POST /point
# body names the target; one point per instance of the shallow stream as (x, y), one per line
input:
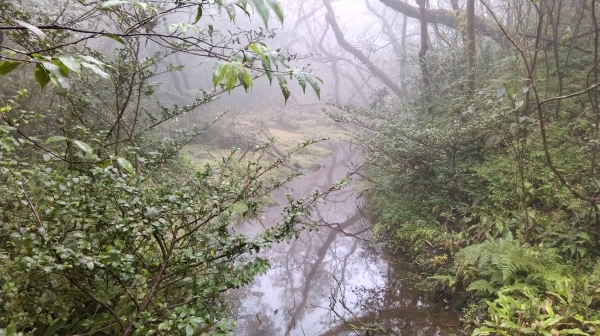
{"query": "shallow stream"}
(327, 279)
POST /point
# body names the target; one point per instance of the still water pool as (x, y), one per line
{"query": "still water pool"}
(327, 279)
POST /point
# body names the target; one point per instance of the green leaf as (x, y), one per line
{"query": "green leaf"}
(231, 76)
(244, 77)
(257, 48)
(37, 31)
(57, 75)
(165, 325)
(83, 146)
(262, 9)
(184, 28)
(301, 77)
(71, 63)
(189, 330)
(243, 8)
(104, 163)
(284, 88)
(272, 58)
(551, 321)
(96, 69)
(198, 14)
(125, 164)
(314, 85)
(11, 329)
(91, 59)
(54, 327)
(116, 38)
(63, 69)
(8, 66)
(230, 11)
(549, 309)
(483, 331)
(575, 331)
(276, 8)
(111, 3)
(141, 5)
(219, 73)
(172, 28)
(266, 64)
(55, 138)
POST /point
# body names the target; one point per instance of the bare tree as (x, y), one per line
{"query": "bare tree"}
(374, 69)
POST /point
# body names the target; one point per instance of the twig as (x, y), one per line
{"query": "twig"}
(293, 319)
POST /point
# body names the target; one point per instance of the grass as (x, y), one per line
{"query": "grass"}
(287, 128)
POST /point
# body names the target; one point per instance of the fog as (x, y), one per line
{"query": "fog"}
(309, 43)
(158, 93)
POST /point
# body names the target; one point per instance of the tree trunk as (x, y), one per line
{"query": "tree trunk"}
(336, 82)
(399, 49)
(424, 46)
(470, 79)
(403, 49)
(1, 31)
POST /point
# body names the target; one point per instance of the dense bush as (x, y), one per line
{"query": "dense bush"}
(493, 206)
(103, 228)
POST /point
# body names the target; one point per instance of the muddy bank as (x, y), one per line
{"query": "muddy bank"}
(334, 274)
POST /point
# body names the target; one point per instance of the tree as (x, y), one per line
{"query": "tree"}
(386, 62)
(424, 46)
(377, 72)
(470, 78)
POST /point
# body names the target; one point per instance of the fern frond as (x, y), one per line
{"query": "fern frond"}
(513, 262)
(483, 286)
(526, 289)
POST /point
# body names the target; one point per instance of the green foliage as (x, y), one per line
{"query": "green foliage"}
(489, 197)
(503, 263)
(520, 309)
(105, 228)
(100, 247)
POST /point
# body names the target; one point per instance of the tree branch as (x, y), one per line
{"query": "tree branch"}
(339, 36)
(447, 18)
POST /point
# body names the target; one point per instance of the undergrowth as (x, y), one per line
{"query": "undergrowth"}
(464, 192)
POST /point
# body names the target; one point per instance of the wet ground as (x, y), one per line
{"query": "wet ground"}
(325, 281)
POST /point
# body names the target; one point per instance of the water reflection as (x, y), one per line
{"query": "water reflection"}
(332, 275)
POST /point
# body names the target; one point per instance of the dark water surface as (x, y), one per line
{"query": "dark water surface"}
(333, 273)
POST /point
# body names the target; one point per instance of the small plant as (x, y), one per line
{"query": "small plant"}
(563, 309)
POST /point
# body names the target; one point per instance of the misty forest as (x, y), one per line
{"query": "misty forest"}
(299, 167)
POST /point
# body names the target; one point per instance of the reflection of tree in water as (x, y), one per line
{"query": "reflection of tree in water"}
(391, 309)
(283, 301)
